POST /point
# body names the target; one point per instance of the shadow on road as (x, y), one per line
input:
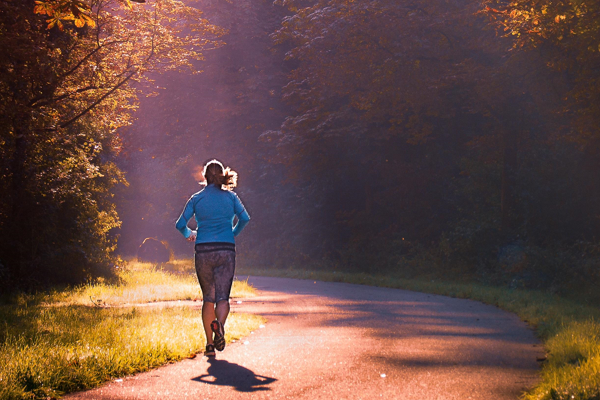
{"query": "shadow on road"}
(224, 373)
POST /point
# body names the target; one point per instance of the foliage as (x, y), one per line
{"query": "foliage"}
(64, 94)
(573, 368)
(68, 10)
(566, 34)
(433, 116)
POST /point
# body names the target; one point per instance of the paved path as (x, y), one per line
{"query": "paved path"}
(336, 341)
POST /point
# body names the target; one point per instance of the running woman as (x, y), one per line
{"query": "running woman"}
(214, 207)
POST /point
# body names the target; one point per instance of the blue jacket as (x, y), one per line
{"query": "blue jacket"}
(214, 209)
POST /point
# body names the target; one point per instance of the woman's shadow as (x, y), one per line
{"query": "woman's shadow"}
(224, 373)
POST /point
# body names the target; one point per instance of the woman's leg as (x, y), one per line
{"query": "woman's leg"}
(204, 263)
(208, 316)
(222, 311)
(223, 282)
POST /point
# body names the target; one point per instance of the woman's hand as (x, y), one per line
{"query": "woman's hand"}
(192, 237)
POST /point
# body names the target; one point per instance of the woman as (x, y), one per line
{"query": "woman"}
(215, 207)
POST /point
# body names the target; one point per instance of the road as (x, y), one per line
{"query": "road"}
(342, 341)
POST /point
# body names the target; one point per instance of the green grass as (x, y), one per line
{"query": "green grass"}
(142, 283)
(59, 342)
(569, 330)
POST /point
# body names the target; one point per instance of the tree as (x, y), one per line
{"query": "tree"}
(412, 120)
(68, 84)
(565, 34)
(384, 96)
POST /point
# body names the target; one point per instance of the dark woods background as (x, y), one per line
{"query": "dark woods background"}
(436, 139)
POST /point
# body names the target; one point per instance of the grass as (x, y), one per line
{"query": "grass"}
(142, 283)
(573, 369)
(569, 330)
(59, 342)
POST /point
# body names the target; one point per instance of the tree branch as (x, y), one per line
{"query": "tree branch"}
(84, 59)
(125, 80)
(95, 103)
(33, 102)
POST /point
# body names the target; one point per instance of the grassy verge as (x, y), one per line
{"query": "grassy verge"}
(59, 342)
(141, 283)
(569, 330)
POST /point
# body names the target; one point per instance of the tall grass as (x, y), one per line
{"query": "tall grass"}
(59, 342)
(573, 367)
(570, 330)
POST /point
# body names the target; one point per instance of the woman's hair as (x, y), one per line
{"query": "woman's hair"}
(215, 173)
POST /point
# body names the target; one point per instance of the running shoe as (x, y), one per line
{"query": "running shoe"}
(219, 331)
(210, 350)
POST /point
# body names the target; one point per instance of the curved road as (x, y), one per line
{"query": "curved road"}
(342, 341)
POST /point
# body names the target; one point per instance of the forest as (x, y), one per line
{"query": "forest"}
(454, 139)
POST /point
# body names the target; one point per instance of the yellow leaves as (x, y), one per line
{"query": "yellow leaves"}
(560, 18)
(55, 21)
(43, 8)
(127, 3)
(87, 20)
(64, 10)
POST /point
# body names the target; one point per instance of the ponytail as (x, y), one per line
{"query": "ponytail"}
(223, 178)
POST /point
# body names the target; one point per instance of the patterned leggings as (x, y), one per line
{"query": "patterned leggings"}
(215, 266)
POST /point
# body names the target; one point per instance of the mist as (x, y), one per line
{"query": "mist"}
(369, 141)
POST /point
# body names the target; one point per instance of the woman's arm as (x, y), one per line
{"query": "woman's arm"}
(241, 213)
(243, 219)
(185, 216)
